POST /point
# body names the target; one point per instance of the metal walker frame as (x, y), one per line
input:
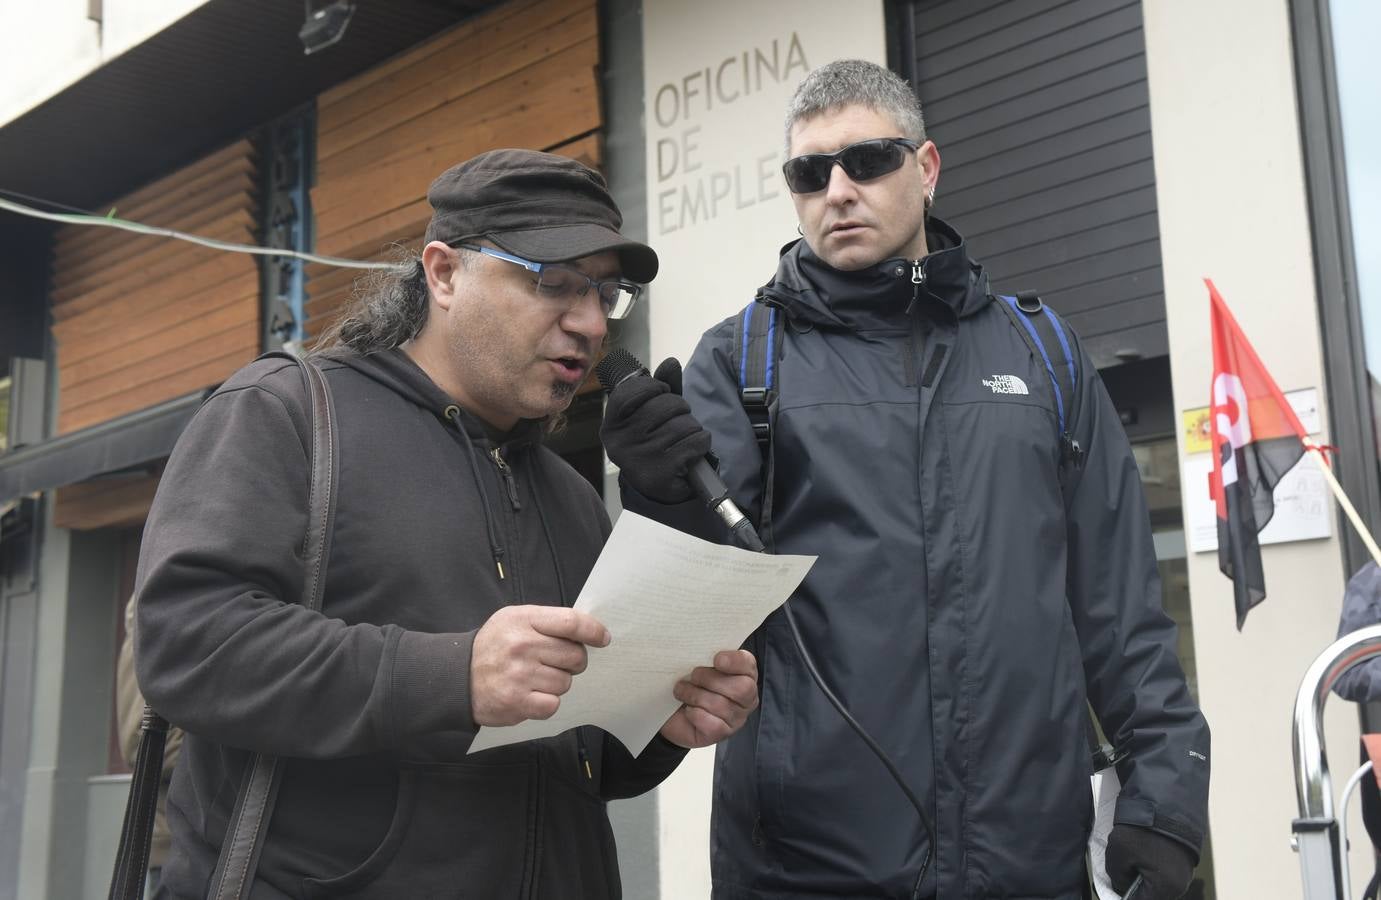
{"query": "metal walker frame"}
(1318, 839)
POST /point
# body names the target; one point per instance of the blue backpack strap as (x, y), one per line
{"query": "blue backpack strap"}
(757, 349)
(1041, 328)
(757, 341)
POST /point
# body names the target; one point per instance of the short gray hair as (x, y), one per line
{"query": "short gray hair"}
(856, 82)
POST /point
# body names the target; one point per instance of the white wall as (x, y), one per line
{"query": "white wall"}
(1232, 204)
(718, 212)
(47, 46)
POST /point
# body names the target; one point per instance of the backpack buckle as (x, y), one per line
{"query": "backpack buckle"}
(756, 402)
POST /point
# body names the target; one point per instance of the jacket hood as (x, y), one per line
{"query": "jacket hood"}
(813, 291)
(397, 371)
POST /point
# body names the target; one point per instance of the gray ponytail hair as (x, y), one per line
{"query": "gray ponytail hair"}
(387, 309)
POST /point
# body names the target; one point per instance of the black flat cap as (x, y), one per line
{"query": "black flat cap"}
(539, 206)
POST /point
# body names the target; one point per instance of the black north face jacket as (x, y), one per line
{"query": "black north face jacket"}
(962, 607)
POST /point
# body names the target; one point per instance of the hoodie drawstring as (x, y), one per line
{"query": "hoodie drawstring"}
(453, 414)
(539, 487)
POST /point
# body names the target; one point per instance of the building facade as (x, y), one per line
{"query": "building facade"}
(1109, 154)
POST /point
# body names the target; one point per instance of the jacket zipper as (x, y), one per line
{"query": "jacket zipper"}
(511, 487)
(507, 472)
(927, 383)
(915, 347)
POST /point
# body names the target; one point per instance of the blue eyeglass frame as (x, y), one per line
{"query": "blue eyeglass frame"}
(536, 268)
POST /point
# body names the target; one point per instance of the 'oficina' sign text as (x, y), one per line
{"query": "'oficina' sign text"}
(694, 194)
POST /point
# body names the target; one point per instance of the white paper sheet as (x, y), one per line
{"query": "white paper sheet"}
(670, 602)
(1106, 787)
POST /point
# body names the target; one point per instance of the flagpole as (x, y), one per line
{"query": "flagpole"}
(1345, 503)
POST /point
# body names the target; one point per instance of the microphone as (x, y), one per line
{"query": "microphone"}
(618, 367)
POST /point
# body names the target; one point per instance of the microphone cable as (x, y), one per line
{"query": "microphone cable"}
(867, 739)
(620, 365)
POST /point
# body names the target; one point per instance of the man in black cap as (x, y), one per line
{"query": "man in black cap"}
(458, 543)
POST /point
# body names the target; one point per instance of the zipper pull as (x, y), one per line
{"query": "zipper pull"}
(584, 755)
(917, 282)
(507, 472)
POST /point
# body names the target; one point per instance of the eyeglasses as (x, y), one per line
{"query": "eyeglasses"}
(862, 161)
(565, 285)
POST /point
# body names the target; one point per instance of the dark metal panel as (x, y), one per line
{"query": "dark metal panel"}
(1129, 344)
(1057, 133)
(1042, 117)
(114, 446)
(1085, 302)
(1062, 247)
(1111, 63)
(1027, 222)
(1109, 318)
(1085, 269)
(23, 287)
(18, 640)
(1352, 424)
(1097, 187)
(938, 14)
(1065, 174)
(207, 79)
(1064, 29)
(1027, 13)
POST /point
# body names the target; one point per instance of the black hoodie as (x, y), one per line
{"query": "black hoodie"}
(436, 528)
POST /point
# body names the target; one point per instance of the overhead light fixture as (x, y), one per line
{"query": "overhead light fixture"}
(325, 26)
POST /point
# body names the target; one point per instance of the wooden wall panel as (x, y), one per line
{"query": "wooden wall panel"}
(106, 503)
(524, 74)
(141, 319)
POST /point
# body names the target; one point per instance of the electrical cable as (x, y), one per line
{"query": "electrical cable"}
(620, 365)
(213, 243)
(20, 195)
(863, 736)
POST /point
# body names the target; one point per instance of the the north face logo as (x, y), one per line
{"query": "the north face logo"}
(1006, 384)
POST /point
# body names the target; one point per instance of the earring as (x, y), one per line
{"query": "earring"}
(799, 230)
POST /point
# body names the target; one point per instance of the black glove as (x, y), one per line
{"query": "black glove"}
(651, 436)
(1164, 864)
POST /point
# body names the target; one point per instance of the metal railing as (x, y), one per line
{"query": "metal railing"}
(1316, 830)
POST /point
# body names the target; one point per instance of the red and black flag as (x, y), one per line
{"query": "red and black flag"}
(1257, 438)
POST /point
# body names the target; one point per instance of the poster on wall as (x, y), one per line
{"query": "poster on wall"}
(1302, 508)
(714, 103)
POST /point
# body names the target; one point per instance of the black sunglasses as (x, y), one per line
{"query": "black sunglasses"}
(862, 161)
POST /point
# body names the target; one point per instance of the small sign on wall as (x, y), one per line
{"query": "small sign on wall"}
(1302, 508)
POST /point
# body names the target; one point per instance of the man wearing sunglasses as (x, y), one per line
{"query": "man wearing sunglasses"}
(975, 585)
(458, 543)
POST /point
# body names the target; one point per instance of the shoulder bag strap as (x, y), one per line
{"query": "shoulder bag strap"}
(244, 840)
(240, 852)
(136, 833)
